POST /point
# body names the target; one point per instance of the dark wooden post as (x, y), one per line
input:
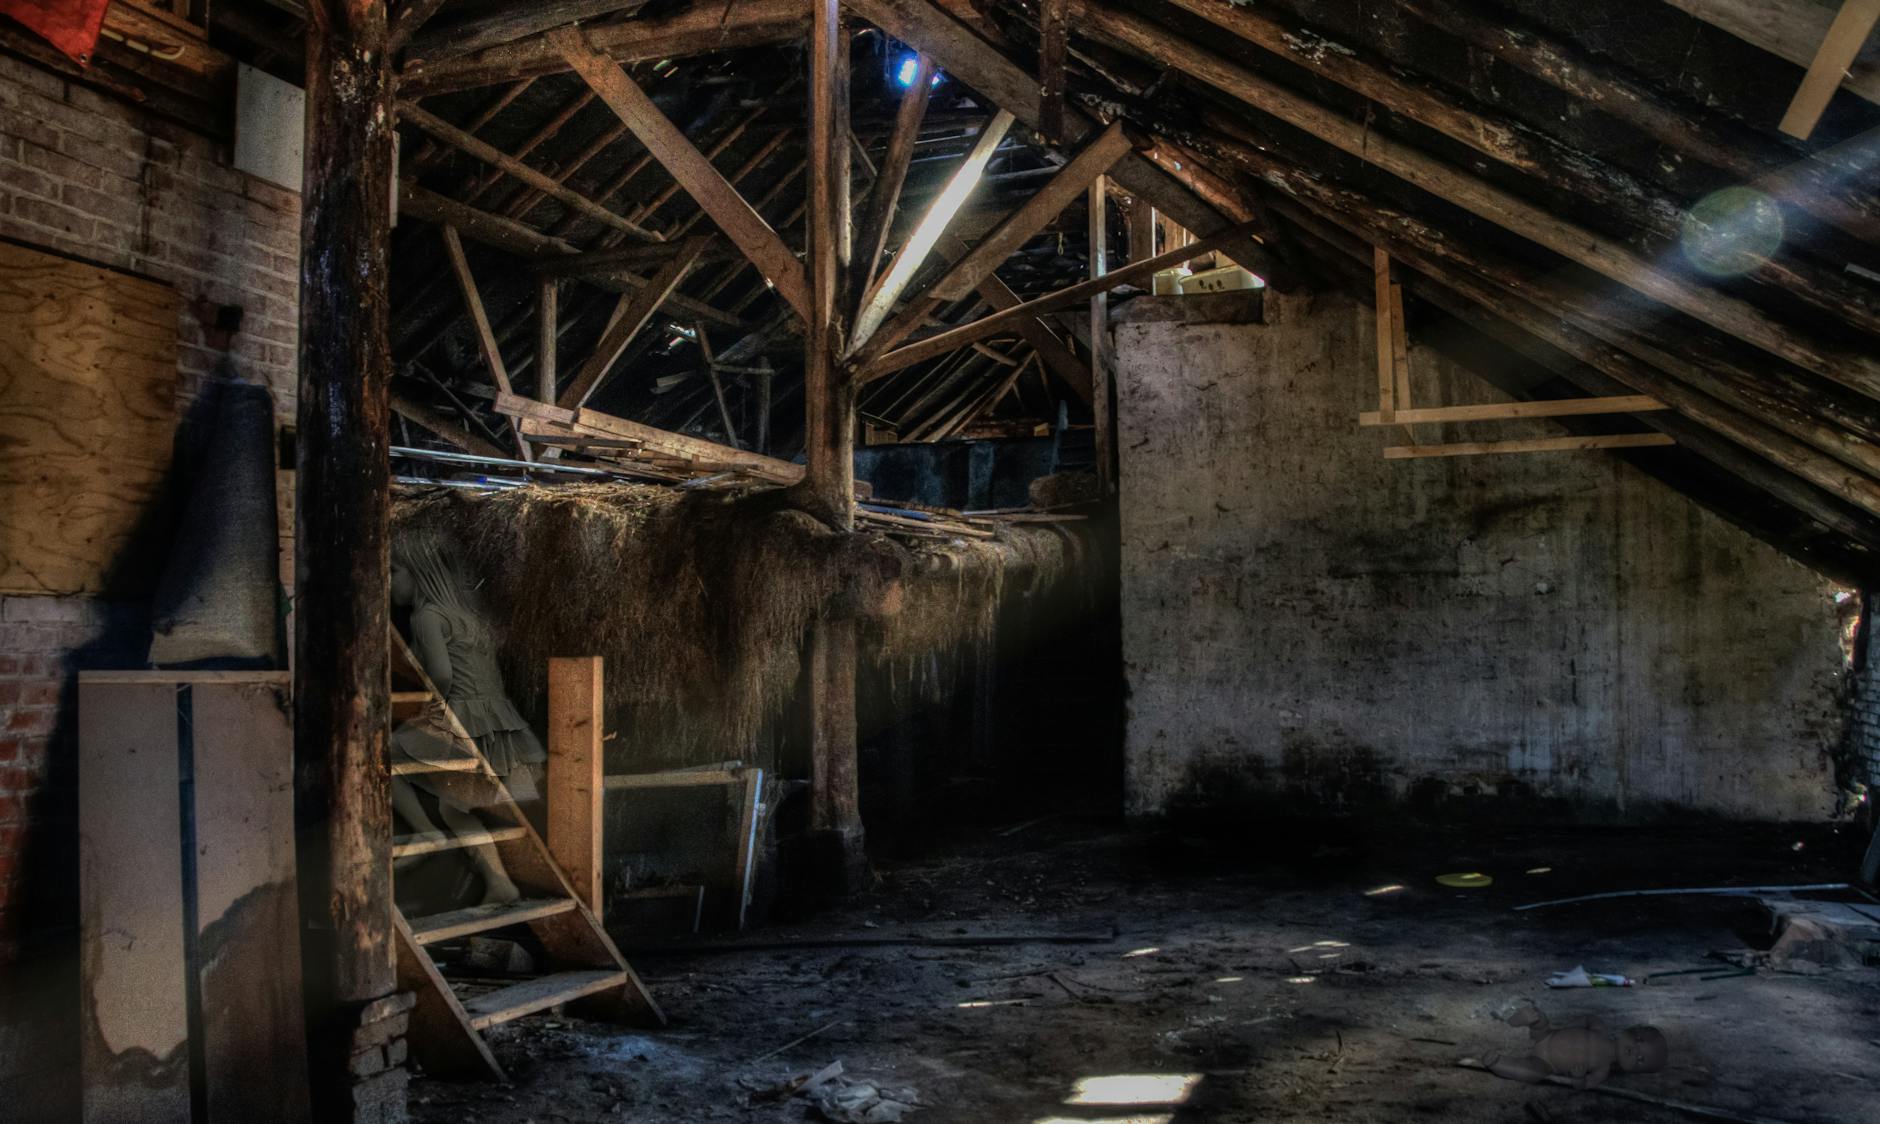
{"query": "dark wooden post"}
(341, 685)
(829, 399)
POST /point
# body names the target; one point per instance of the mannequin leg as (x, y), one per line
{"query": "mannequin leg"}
(1527, 1069)
(411, 809)
(497, 888)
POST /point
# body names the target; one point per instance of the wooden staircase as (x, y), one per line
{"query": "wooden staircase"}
(586, 970)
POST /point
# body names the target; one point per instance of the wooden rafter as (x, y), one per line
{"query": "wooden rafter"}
(527, 242)
(405, 22)
(1054, 37)
(1529, 445)
(440, 426)
(547, 336)
(885, 197)
(698, 29)
(964, 276)
(490, 154)
(960, 51)
(923, 350)
(510, 23)
(637, 310)
(687, 165)
(887, 289)
(1617, 262)
(479, 319)
(1061, 361)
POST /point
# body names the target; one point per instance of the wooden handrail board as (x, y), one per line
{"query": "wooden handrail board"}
(1534, 445)
(1502, 411)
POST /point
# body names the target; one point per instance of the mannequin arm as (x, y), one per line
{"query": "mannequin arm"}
(427, 636)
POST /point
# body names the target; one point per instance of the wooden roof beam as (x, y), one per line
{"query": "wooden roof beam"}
(746, 229)
(634, 316)
(1602, 255)
(490, 154)
(698, 29)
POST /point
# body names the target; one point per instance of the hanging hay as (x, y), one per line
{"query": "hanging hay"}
(699, 602)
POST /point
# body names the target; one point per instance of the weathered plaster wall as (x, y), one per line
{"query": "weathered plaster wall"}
(1308, 621)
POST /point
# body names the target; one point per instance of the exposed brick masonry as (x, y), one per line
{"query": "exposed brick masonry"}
(95, 178)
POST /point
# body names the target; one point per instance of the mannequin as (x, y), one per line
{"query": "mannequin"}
(457, 649)
(1580, 1050)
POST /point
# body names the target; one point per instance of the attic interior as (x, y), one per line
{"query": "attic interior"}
(1099, 561)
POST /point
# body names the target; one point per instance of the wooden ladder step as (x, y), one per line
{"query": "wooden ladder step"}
(410, 704)
(483, 918)
(465, 764)
(405, 845)
(538, 994)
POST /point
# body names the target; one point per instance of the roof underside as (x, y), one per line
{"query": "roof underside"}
(1553, 182)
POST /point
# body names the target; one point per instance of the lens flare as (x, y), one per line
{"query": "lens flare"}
(1732, 231)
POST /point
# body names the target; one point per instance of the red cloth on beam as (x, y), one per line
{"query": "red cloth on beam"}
(70, 25)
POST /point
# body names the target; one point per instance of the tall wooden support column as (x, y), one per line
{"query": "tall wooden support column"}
(343, 813)
(829, 485)
(1101, 392)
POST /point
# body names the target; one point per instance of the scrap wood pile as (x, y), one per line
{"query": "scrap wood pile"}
(592, 439)
(699, 601)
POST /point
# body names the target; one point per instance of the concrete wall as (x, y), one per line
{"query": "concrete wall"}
(1306, 620)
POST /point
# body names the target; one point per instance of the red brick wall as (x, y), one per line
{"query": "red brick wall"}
(89, 176)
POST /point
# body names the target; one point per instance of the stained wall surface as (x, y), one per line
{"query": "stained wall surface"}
(1308, 622)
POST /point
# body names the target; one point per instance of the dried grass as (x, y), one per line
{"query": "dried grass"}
(699, 602)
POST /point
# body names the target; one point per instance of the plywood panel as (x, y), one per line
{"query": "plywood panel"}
(248, 938)
(87, 414)
(133, 1004)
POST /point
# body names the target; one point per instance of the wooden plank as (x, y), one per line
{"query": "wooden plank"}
(537, 418)
(539, 994)
(1499, 411)
(87, 418)
(886, 291)
(133, 1006)
(1842, 44)
(440, 426)
(1134, 272)
(885, 196)
(1399, 348)
(253, 1031)
(1784, 28)
(407, 845)
(1054, 36)
(575, 753)
(483, 918)
(547, 336)
(1102, 392)
(440, 1035)
(1533, 445)
(633, 317)
(747, 842)
(1609, 258)
(490, 154)
(1380, 308)
(686, 164)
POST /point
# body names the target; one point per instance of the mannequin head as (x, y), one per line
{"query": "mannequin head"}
(424, 574)
(1642, 1049)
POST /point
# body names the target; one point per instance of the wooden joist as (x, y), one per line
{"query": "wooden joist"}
(1786, 29)
(1529, 445)
(437, 424)
(686, 164)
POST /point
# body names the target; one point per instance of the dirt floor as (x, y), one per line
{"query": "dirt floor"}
(1309, 977)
